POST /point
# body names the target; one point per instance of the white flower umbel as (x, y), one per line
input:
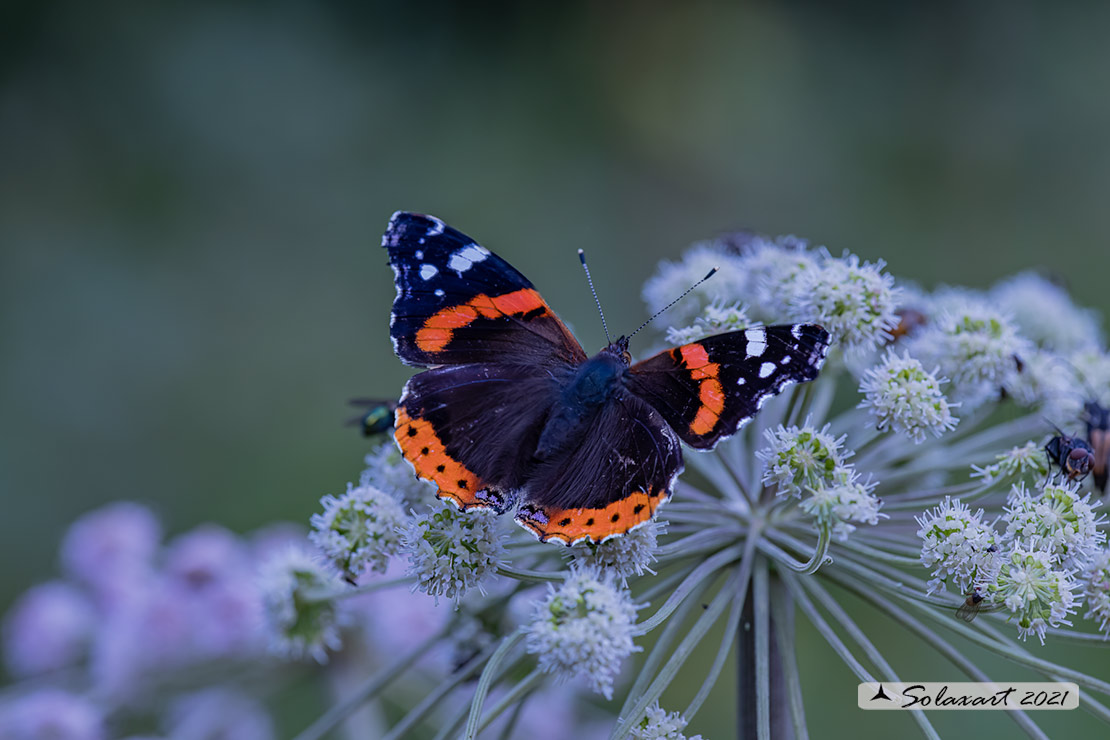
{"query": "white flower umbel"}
(630, 555)
(716, 319)
(301, 615)
(855, 302)
(1046, 381)
(1035, 593)
(386, 470)
(671, 279)
(906, 398)
(974, 345)
(796, 458)
(452, 551)
(958, 545)
(1027, 461)
(660, 725)
(846, 500)
(358, 531)
(584, 629)
(1057, 521)
(1046, 313)
(1092, 369)
(1096, 590)
(776, 268)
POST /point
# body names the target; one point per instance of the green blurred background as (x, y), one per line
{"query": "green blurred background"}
(192, 196)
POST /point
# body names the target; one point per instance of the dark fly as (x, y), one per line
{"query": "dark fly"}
(1072, 455)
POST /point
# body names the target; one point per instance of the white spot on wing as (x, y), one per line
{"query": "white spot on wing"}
(436, 228)
(427, 272)
(439, 292)
(796, 330)
(757, 342)
(420, 254)
(766, 369)
(464, 259)
(741, 381)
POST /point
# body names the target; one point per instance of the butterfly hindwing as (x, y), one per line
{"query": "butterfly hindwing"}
(459, 303)
(707, 389)
(622, 468)
(471, 429)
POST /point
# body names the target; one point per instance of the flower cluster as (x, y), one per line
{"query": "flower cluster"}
(958, 545)
(358, 531)
(1026, 461)
(1033, 567)
(452, 551)
(659, 725)
(131, 613)
(631, 555)
(765, 524)
(781, 278)
(584, 629)
(906, 398)
(298, 591)
(801, 458)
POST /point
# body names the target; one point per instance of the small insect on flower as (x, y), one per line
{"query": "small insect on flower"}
(1098, 437)
(376, 418)
(1072, 454)
(971, 607)
(909, 321)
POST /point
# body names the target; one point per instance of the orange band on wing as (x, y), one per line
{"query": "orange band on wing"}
(710, 393)
(440, 326)
(571, 525)
(422, 447)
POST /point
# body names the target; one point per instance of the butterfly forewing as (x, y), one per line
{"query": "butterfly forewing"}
(458, 303)
(707, 389)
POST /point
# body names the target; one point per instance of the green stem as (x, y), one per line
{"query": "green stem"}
(313, 597)
(798, 592)
(782, 611)
(531, 576)
(902, 617)
(710, 566)
(432, 700)
(331, 718)
(762, 627)
(511, 697)
(820, 552)
(486, 681)
(733, 586)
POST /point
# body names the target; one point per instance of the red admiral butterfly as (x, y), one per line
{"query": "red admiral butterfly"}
(511, 408)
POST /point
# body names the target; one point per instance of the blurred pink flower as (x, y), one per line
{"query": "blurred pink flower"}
(215, 714)
(47, 629)
(50, 714)
(112, 549)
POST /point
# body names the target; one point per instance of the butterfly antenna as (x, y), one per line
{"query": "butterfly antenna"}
(676, 300)
(590, 280)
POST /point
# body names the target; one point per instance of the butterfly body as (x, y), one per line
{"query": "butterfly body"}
(512, 412)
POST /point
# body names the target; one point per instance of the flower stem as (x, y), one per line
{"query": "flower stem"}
(486, 681)
(530, 576)
(331, 718)
(782, 613)
(429, 702)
